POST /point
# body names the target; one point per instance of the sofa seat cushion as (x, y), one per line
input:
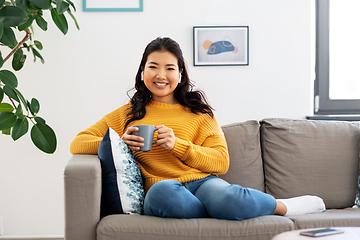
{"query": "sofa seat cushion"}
(154, 228)
(348, 217)
(246, 166)
(303, 157)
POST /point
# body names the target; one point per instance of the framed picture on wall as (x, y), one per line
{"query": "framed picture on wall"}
(221, 45)
(113, 6)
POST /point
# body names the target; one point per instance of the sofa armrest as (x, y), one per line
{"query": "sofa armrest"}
(82, 182)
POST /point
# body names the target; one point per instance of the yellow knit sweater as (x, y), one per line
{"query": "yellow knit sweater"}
(200, 148)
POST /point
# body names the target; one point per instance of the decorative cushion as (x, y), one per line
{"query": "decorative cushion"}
(303, 157)
(122, 187)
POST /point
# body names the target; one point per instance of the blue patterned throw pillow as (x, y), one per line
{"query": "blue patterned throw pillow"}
(122, 187)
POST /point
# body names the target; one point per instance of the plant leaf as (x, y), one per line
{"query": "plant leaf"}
(21, 97)
(27, 47)
(8, 78)
(61, 6)
(12, 16)
(72, 4)
(29, 106)
(1, 60)
(44, 138)
(9, 91)
(6, 131)
(6, 107)
(20, 128)
(22, 4)
(19, 112)
(37, 54)
(2, 2)
(40, 120)
(58, 3)
(1, 95)
(8, 38)
(40, 21)
(35, 106)
(27, 24)
(1, 29)
(60, 21)
(32, 30)
(18, 60)
(43, 4)
(38, 45)
(7, 120)
(72, 16)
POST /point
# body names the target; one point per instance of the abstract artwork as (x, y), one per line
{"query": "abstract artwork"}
(219, 46)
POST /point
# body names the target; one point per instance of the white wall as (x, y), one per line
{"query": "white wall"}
(88, 72)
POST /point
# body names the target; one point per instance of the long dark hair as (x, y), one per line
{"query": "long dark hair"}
(184, 94)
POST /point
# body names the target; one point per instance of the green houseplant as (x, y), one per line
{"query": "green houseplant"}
(16, 112)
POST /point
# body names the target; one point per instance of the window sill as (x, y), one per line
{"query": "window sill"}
(335, 117)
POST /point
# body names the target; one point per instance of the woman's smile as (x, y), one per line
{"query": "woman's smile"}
(161, 85)
(161, 76)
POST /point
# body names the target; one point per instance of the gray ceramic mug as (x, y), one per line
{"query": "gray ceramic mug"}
(147, 133)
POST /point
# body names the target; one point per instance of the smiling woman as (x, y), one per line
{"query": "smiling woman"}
(183, 92)
(161, 76)
(190, 149)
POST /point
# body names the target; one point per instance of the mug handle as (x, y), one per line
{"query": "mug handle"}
(154, 131)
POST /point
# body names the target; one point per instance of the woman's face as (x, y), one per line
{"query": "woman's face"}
(161, 76)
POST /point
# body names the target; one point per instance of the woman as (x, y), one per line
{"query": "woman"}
(180, 173)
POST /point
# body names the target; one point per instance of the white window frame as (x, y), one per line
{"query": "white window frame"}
(323, 105)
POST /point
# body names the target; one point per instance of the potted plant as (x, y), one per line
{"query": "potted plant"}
(16, 112)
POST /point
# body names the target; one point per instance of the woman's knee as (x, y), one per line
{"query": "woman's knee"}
(231, 203)
(169, 198)
(235, 202)
(156, 197)
(163, 187)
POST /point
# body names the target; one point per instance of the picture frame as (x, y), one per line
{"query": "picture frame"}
(221, 45)
(113, 6)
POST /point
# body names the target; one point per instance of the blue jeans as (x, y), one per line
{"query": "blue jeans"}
(207, 197)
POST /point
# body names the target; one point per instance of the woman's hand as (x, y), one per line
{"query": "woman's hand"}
(134, 142)
(166, 137)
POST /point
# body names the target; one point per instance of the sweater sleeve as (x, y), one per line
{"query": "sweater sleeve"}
(211, 156)
(88, 141)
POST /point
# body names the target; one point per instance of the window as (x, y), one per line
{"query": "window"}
(337, 84)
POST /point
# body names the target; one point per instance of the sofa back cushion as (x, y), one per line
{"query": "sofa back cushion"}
(246, 168)
(311, 157)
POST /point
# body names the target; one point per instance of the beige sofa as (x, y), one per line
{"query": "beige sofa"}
(282, 157)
